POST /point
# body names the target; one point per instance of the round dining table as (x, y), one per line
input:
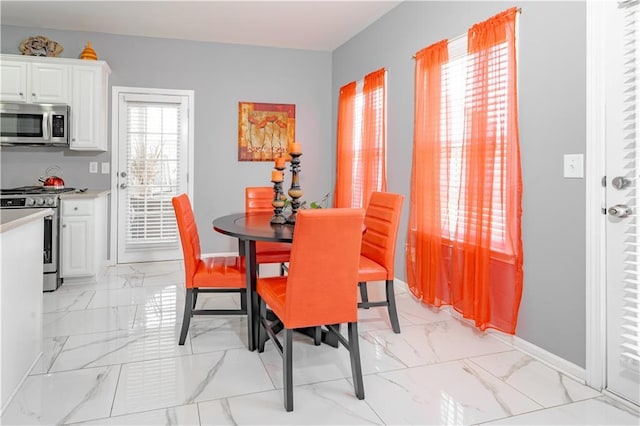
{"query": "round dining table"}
(249, 228)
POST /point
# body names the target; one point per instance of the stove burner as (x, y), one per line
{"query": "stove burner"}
(34, 190)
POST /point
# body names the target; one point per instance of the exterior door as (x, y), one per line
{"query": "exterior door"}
(622, 95)
(152, 167)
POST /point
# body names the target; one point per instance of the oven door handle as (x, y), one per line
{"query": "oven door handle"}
(46, 125)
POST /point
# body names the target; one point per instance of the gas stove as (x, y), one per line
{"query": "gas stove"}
(39, 197)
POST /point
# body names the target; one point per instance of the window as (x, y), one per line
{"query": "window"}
(457, 74)
(464, 244)
(361, 159)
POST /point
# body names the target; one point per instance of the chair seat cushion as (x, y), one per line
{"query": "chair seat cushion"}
(371, 271)
(219, 271)
(273, 291)
(268, 252)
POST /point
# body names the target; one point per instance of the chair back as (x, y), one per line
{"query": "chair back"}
(323, 268)
(382, 220)
(258, 199)
(188, 236)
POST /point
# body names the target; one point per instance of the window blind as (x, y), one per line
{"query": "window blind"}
(630, 333)
(358, 178)
(153, 151)
(459, 98)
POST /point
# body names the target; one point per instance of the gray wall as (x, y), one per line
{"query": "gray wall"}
(552, 83)
(221, 75)
(552, 101)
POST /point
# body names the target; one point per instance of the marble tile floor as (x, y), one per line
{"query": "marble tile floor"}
(111, 357)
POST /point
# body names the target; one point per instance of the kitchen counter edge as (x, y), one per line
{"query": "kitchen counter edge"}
(92, 193)
(14, 218)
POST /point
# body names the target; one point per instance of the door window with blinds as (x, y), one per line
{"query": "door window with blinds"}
(153, 135)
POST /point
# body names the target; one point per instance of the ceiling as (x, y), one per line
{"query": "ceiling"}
(301, 24)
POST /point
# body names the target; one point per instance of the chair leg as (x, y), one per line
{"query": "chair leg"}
(282, 270)
(262, 333)
(243, 300)
(364, 297)
(186, 319)
(356, 367)
(195, 298)
(287, 364)
(393, 312)
(317, 335)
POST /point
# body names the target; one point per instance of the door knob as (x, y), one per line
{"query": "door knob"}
(620, 182)
(619, 210)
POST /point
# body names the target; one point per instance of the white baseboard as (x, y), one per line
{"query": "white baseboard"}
(554, 361)
(566, 367)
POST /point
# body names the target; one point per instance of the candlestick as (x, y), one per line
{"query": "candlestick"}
(278, 196)
(276, 176)
(295, 192)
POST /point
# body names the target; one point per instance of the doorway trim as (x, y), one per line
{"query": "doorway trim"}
(595, 371)
(115, 93)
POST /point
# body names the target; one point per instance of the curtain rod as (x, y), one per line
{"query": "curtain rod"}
(519, 10)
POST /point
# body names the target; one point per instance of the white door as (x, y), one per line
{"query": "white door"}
(154, 137)
(622, 96)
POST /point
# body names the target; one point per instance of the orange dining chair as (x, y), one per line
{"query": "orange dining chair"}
(258, 199)
(319, 288)
(205, 275)
(378, 250)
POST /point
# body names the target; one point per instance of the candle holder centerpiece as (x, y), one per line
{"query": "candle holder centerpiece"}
(278, 194)
(295, 192)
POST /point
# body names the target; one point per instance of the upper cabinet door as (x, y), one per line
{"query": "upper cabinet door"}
(49, 83)
(13, 81)
(89, 108)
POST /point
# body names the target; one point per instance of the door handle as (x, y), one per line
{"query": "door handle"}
(620, 182)
(619, 210)
(123, 186)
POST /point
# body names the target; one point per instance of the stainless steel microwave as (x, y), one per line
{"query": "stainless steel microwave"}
(33, 124)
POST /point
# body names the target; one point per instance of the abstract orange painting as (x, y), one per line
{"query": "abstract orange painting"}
(265, 130)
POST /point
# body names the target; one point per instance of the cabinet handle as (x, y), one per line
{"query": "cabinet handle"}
(33, 94)
(20, 93)
(75, 208)
(64, 226)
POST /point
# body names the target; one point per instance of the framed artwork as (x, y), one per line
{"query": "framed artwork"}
(265, 130)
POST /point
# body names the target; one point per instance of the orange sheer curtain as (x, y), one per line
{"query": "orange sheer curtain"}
(361, 152)
(478, 269)
(345, 153)
(425, 268)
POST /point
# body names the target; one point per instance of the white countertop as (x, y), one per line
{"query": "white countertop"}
(91, 193)
(13, 218)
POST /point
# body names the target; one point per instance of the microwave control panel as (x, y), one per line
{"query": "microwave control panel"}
(58, 126)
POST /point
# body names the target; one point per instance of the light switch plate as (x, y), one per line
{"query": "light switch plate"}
(574, 166)
(93, 167)
(105, 168)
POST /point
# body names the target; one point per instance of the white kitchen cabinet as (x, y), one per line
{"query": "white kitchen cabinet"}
(13, 81)
(83, 240)
(34, 82)
(89, 107)
(83, 85)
